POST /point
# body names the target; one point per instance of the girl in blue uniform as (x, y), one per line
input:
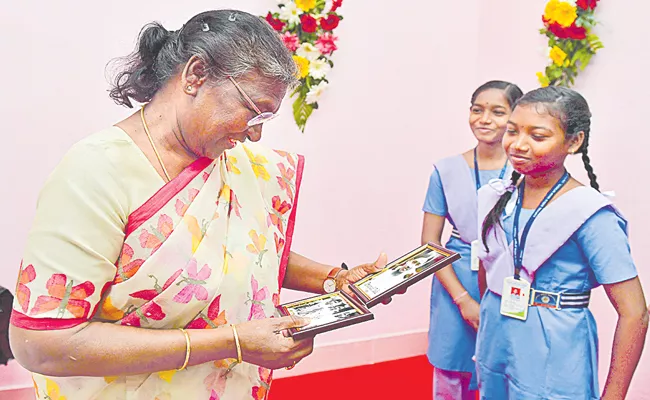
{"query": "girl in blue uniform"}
(452, 197)
(548, 241)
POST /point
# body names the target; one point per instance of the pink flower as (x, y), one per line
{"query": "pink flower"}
(325, 43)
(291, 41)
(195, 281)
(257, 311)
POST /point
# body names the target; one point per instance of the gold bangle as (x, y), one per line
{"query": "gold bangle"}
(188, 348)
(234, 332)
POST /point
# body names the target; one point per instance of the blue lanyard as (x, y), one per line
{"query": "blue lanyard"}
(518, 251)
(478, 178)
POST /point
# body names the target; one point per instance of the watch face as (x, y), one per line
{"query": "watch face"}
(329, 286)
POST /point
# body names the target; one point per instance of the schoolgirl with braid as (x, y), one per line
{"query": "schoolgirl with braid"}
(452, 199)
(547, 242)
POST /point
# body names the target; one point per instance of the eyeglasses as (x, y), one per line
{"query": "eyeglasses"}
(261, 117)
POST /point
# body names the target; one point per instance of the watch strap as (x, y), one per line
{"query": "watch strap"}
(334, 272)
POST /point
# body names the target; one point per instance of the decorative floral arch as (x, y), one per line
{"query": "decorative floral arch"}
(568, 25)
(307, 29)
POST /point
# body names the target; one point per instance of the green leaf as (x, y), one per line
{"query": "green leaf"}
(578, 55)
(585, 60)
(296, 90)
(554, 73)
(302, 111)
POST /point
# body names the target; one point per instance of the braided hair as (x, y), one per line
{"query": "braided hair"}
(572, 110)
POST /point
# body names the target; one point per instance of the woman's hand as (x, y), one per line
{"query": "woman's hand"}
(470, 311)
(347, 278)
(266, 343)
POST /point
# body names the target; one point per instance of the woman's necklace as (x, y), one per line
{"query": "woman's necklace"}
(146, 130)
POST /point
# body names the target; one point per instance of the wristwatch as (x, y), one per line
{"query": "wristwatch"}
(329, 285)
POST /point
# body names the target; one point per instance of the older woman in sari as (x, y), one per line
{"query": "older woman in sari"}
(160, 244)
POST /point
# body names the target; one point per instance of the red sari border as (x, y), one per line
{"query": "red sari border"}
(23, 321)
(290, 224)
(164, 195)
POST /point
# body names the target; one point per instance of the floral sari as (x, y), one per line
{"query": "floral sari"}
(209, 248)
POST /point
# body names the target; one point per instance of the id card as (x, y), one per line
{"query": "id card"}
(474, 261)
(515, 298)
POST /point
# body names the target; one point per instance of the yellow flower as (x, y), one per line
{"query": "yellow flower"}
(230, 165)
(543, 80)
(225, 259)
(257, 162)
(306, 5)
(53, 391)
(259, 242)
(303, 66)
(560, 12)
(167, 375)
(557, 55)
(109, 311)
(551, 8)
(197, 231)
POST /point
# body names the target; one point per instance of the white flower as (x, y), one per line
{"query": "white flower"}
(290, 13)
(315, 92)
(319, 68)
(308, 51)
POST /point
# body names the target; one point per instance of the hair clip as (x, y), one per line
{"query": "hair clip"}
(499, 186)
(232, 17)
(205, 27)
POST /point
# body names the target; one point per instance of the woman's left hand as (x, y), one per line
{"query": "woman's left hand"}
(346, 278)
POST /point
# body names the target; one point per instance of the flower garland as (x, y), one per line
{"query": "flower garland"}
(306, 28)
(568, 25)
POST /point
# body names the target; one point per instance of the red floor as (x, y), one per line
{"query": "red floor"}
(409, 378)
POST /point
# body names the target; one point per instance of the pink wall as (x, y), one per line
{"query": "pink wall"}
(398, 101)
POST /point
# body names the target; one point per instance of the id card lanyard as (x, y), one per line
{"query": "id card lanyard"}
(515, 295)
(475, 245)
(478, 177)
(518, 248)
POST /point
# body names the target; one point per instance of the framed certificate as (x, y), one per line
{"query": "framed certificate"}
(327, 312)
(402, 273)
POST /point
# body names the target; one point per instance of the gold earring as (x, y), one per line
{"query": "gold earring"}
(189, 88)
